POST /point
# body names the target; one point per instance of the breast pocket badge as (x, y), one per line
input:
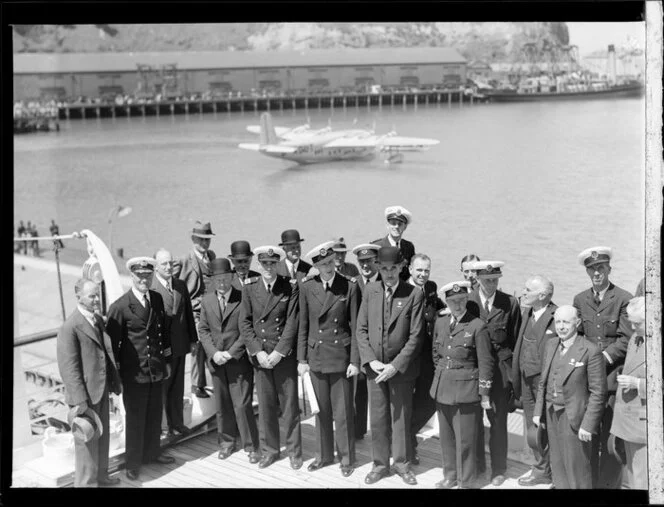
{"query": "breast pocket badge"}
(467, 335)
(284, 299)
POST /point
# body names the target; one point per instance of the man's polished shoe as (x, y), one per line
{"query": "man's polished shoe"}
(266, 461)
(181, 429)
(295, 462)
(347, 470)
(164, 459)
(373, 477)
(317, 464)
(408, 477)
(446, 484)
(533, 480)
(225, 453)
(254, 457)
(199, 392)
(498, 480)
(108, 481)
(132, 474)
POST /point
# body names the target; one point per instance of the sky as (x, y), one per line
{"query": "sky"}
(590, 37)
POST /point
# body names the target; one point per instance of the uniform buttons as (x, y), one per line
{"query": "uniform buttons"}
(597, 325)
(278, 329)
(449, 346)
(262, 321)
(335, 331)
(335, 320)
(320, 341)
(262, 330)
(320, 330)
(278, 337)
(277, 319)
(598, 314)
(264, 340)
(464, 345)
(336, 341)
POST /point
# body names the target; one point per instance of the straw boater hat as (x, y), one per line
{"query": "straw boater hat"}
(85, 427)
(202, 230)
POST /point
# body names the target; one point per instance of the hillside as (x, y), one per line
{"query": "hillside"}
(475, 41)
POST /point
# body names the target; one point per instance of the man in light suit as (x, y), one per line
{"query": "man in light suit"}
(389, 337)
(292, 266)
(570, 400)
(180, 320)
(232, 374)
(88, 370)
(398, 219)
(537, 328)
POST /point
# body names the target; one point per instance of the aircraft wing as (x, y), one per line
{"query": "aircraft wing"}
(352, 142)
(250, 146)
(398, 143)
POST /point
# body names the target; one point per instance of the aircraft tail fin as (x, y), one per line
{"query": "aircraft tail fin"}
(268, 134)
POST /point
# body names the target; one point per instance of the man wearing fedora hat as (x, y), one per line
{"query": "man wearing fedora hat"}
(340, 264)
(232, 374)
(195, 272)
(292, 266)
(397, 220)
(268, 326)
(603, 309)
(241, 256)
(142, 345)
(88, 369)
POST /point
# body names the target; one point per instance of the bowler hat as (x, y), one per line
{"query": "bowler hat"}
(538, 438)
(616, 447)
(202, 230)
(240, 250)
(85, 427)
(220, 266)
(389, 254)
(290, 236)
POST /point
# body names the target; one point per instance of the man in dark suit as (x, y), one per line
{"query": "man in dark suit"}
(603, 310)
(141, 344)
(292, 266)
(537, 328)
(502, 316)
(327, 350)
(389, 337)
(195, 272)
(570, 398)
(398, 219)
(424, 406)
(88, 370)
(343, 267)
(461, 385)
(366, 258)
(180, 321)
(232, 374)
(268, 326)
(241, 256)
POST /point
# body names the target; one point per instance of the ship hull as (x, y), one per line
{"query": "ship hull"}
(622, 91)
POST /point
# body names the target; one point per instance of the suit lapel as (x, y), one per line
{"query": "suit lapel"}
(590, 301)
(550, 353)
(318, 292)
(87, 328)
(609, 296)
(177, 298)
(137, 308)
(398, 301)
(637, 360)
(272, 298)
(336, 291)
(232, 304)
(573, 356)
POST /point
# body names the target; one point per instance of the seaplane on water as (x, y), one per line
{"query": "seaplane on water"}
(306, 146)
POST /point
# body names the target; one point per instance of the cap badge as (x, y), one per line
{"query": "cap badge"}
(489, 267)
(455, 288)
(594, 254)
(398, 212)
(364, 252)
(323, 252)
(270, 252)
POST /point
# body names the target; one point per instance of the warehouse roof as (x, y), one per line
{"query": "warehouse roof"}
(47, 63)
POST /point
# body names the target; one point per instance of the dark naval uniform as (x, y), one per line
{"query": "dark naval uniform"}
(407, 251)
(327, 344)
(349, 269)
(607, 326)
(238, 283)
(503, 324)
(464, 371)
(269, 322)
(303, 268)
(141, 345)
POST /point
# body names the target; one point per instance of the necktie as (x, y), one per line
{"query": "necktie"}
(486, 306)
(388, 295)
(222, 303)
(168, 286)
(563, 349)
(269, 287)
(596, 298)
(147, 302)
(327, 286)
(291, 270)
(452, 324)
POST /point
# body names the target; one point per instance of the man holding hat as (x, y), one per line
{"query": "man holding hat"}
(502, 315)
(268, 326)
(292, 266)
(241, 256)
(398, 219)
(88, 370)
(461, 385)
(340, 264)
(327, 348)
(142, 345)
(389, 337)
(603, 309)
(366, 258)
(232, 374)
(195, 272)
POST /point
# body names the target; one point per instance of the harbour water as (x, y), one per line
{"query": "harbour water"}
(531, 184)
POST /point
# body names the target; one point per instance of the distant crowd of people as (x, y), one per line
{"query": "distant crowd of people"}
(31, 247)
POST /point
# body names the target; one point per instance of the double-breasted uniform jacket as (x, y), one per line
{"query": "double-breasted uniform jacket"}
(191, 271)
(503, 323)
(179, 315)
(629, 412)
(463, 360)
(545, 328)
(237, 283)
(269, 321)
(607, 325)
(328, 321)
(400, 344)
(407, 251)
(221, 332)
(86, 360)
(583, 379)
(302, 270)
(140, 338)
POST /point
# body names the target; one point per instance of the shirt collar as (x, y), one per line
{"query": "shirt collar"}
(274, 280)
(411, 281)
(392, 241)
(163, 281)
(89, 316)
(454, 319)
(484, 299)
(538, 313)
(293, 264)
(330, 281)
(394, 287)
(224, 294)
(569, 342)
(602, 293)
(139, 295)
(200, 255)
(372, 278)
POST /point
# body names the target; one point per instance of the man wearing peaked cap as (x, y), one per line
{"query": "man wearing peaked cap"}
(389, 337)
(343, 267)
(603, 309)
(327, 349)
(367, 254)
(195, 272)
(241, 256)
(397, 220)
(502, 315)
(268, 326)
(461, 385)
(292, 266)
(140, 337)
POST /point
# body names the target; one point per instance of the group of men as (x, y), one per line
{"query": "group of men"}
(380, 340)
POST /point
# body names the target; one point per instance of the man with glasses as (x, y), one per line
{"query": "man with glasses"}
(398, 219)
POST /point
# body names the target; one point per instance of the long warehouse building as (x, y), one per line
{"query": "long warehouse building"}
(65, 75)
